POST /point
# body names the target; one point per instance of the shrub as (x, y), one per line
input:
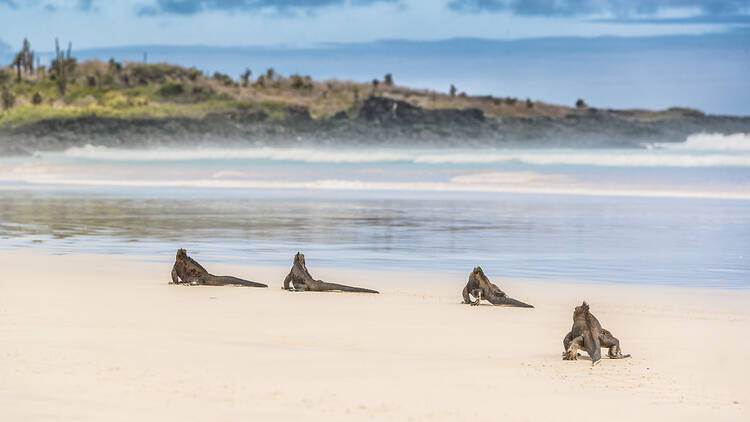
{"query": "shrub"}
(298, 82)
(36, 99)
(260, 82)
(108, 79)
(8, 99)
(116, 99)
(193, 74)
(171, 89)
(580, 103)
(453, 91)
(223, 78)
(201, 93)
(4, 76)
(146, 74)
(114, 66)
(245, 76)
(388, 80)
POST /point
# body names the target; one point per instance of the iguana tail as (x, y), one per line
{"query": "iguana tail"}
(592, 345)
(333, 286)
(227, 279)
(620, 357)
(499, 300)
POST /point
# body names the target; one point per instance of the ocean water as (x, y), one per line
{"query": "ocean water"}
(671, 214)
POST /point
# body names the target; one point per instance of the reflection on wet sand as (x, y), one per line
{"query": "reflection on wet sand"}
(640, 240)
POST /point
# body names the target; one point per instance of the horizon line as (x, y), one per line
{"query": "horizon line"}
(737, 30)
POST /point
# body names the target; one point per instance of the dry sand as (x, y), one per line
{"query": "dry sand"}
(106, 338)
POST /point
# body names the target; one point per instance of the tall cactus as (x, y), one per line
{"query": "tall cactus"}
(24, 60)
(62, 67)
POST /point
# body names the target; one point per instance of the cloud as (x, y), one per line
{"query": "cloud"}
(720, 19)
(82, 5)
(85, 5)
(619, 8)
(191, 7)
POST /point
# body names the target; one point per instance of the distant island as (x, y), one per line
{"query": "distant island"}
(137, 104)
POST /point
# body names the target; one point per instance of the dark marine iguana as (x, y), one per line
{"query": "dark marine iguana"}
(187, 271)
(588, 334)
(480, 287)
(302, 280)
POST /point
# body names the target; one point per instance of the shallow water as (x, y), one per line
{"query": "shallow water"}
(656, 216)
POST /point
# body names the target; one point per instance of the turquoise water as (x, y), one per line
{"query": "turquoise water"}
(668, 215)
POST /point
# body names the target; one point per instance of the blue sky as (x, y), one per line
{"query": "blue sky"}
(98, 23)
(612, 53)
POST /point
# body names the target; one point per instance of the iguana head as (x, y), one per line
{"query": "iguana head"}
(299, 259)
(478, 273)
(584, 308)
(181, 253)
(299, 266)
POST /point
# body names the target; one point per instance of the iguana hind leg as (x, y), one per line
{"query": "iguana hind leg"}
(612, 343)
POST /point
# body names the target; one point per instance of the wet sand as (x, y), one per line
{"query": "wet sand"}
(97, 337)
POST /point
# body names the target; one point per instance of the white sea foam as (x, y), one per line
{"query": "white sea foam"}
(628, 158)
(460, 185)
(697, 151)
(223, 174)
(710, 142)
(507, 177)
(309, 155)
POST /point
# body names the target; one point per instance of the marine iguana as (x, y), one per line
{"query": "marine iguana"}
(480, 287)
(187, 271)
(302, 280)
(588, 334)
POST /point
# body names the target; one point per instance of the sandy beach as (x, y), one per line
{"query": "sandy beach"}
(97, 337)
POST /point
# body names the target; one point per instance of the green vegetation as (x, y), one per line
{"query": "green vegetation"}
(67, 89)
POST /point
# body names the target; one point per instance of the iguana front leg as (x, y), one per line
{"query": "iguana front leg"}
(571, 352)
(175, 278)
(465, 294)
(477, 293)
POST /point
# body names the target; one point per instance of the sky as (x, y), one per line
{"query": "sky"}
(99, 23)
(628, 46)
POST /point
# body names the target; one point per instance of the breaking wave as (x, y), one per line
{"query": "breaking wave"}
(697, 151)
(710, 142)
(310, 155)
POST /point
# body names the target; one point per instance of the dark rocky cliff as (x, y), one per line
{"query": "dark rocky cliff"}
(378, 121)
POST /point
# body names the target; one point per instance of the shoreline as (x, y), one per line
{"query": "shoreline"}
(102, 337)
(445, 280)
